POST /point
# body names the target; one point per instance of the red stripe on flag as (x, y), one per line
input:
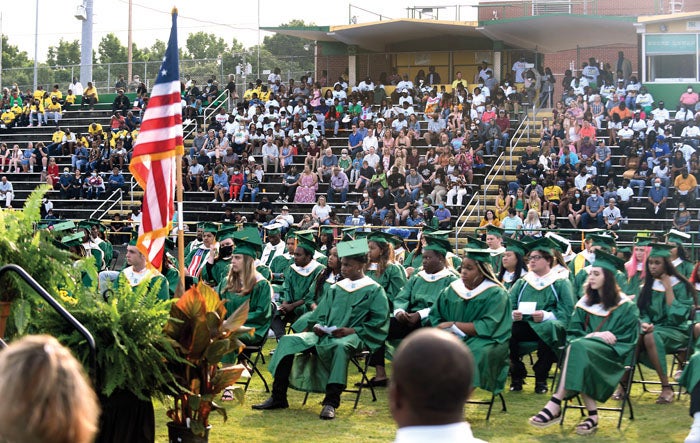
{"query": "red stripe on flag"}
(163, 100)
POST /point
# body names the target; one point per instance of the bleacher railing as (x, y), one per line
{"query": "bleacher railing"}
(116, 198)
(474, 204)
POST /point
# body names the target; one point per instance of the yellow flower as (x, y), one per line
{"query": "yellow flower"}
(67, 298)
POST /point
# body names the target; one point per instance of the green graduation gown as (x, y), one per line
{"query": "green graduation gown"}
(595, 367)
(684, 267)
(297, 284)
(497, 259)
(279, 266)
(509, 279)
(271, 251)
(421, 291)
(671, 323)
(260, 313)
(196, 260)
(216, 273)
(173, 277)
(392, 279)
(488, 307)
(191, 246)
(107, 250)
(302, 324)
(413, 260)
(147, 277)
(359, 304)
(552, 294)
(634, 283)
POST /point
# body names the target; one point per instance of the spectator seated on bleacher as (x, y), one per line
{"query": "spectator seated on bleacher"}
(90, 97)
(121, 103)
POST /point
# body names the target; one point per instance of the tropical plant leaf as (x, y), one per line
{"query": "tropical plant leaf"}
(213, 323)
(238, 318)
(221, 411)
(226, 377)
(192, 304)
(211, 297)
(22, 311)
(199, 340)
(197, 428)
(216, 351)
(195, 401)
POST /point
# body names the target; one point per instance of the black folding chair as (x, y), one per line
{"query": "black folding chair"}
(364, 380)
(490, 403)
(252, 356)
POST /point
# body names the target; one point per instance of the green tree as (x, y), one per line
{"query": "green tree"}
(12, 57)
(66, 53)
(205, 45)
(290, 50)
(111, 50)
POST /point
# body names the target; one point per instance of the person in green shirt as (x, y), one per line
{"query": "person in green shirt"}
(476, 308)
(665, 302)
(382, 268)
(413, 303)
(542, 302)
(296, 297)
(139, 274)
(679, 257)
(352, 315)
(601, 336)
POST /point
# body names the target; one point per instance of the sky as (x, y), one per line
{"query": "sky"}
(228, 18)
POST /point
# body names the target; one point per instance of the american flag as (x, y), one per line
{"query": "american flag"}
(155, 151)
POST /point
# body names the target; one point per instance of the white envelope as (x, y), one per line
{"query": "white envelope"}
(527, 307)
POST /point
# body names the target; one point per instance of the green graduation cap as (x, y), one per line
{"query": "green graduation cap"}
(516, 246)
(437, 244)
(543, 244)
(643, 241)
(247, 242)
(476, 243)
(362, 234)
(625, 250)
(63, 226)
(328, 230)
(169, 244)
(482, 255)
(562, 244)
(604, 241)
(349, 233)
(273, 229)
(677, 237)
(134, 238)
(305, 232)
(306, 242)
(608, 261)
(209, 227)
(75, 239)
(495, 230)
(380, 237)
(224, 233)
(354, 248)
(85, 224)
(98, 223)
(661, 249)
(428, 229)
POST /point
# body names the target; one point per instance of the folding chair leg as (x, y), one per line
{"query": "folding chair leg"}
(488, 414)
(306, 396)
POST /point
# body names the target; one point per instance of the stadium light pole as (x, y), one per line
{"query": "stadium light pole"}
(86, 45)
(36, 44)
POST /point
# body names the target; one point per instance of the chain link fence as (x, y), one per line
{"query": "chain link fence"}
(105, 76)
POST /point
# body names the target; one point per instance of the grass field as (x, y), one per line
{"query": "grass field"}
(372, 421)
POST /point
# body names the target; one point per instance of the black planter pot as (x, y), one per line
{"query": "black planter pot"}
(125, 418)
(182, 434)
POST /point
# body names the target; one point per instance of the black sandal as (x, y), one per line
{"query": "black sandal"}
(545, 418)
(588, 426)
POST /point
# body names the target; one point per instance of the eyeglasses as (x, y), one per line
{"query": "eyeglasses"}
(534, 257)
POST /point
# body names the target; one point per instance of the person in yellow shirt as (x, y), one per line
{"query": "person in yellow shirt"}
(459, 80)
(36, 108)
(70, 99)
(95, 129)
(55, 147)
(90, 97)
(686, 187)
(8, 118)
(55, 92)
(39, 93)
(53, 110)
(121, 134)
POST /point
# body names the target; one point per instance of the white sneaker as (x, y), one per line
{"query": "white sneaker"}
(213, 201)
(693, 435)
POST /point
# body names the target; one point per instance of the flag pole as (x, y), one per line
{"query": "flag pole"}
(180, 228)
(180, 220)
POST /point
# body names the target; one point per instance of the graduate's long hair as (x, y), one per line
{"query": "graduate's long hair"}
(486, 270)
(322, 276)
(386, 257)
(520, 266)
(242, 282)
(608, 295)
(632, 263)
(645, 294)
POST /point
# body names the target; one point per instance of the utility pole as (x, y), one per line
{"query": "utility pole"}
(86, 45)
(36, 44)
(129, 52)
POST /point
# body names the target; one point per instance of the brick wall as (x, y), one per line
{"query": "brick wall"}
(560, 61)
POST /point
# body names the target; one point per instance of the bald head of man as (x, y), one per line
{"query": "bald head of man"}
(431, 380)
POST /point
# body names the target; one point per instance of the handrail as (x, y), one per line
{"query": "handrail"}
(211, 110)
(108, 200)
(498, 165)
(58, 308)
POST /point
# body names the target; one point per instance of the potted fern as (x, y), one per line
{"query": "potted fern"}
(200, 331)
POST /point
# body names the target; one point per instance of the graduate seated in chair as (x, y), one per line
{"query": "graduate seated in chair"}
(601, 337)
(351, 316)
(542, 302)
(476, 308)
